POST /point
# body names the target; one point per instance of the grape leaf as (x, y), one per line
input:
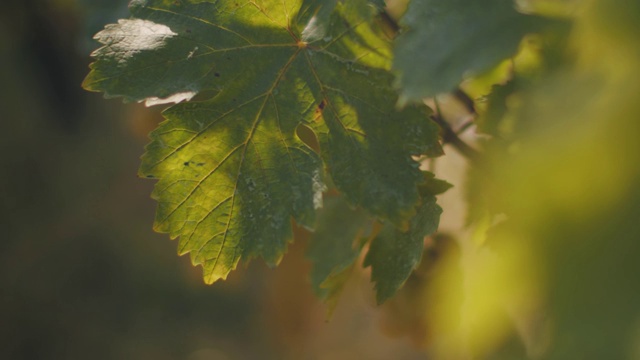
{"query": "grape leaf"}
(334, 248)
(232, 171)
(394, 253)
(446, 40)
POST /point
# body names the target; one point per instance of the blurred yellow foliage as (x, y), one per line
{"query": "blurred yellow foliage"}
(562, 266)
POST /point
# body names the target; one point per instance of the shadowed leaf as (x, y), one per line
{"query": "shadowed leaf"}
(334, 248)
(394, 253)
(446, 40)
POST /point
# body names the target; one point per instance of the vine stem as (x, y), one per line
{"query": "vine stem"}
(449, 136)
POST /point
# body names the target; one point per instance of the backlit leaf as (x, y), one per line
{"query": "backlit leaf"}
(232, 170)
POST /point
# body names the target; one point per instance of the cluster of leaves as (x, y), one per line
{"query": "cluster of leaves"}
(280, 101)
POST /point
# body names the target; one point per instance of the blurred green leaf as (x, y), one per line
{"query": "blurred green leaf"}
(566, 181)
(447, 40)
(335, 246)
(497, 108)
(394, 253)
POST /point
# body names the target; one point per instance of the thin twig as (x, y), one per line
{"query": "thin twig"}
(390, 21)
(466, 100)
(450, 137)
(467, 124)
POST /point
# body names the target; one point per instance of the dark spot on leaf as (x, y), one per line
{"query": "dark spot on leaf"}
(200, 164)
(188, 31)
(318, 112)
(217, 74)
(186, 163)
(150, 176)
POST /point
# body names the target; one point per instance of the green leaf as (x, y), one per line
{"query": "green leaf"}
(448, 39)
(432, 186)
(232, 170)
(334, 247)
(394, 253)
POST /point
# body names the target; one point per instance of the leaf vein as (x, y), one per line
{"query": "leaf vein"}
(251, 132)
(204, 21)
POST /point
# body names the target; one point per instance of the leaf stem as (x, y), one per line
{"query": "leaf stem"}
(449, 136)
(466, 100)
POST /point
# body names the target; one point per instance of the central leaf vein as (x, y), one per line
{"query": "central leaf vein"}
(245, 145)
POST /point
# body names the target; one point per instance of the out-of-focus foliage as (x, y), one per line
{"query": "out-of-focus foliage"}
(446, 40)
(425, 299)
(340, 235)
(394, 253)
(558, 178)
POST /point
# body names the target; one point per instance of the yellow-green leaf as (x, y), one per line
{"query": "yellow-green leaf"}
(232, 170)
